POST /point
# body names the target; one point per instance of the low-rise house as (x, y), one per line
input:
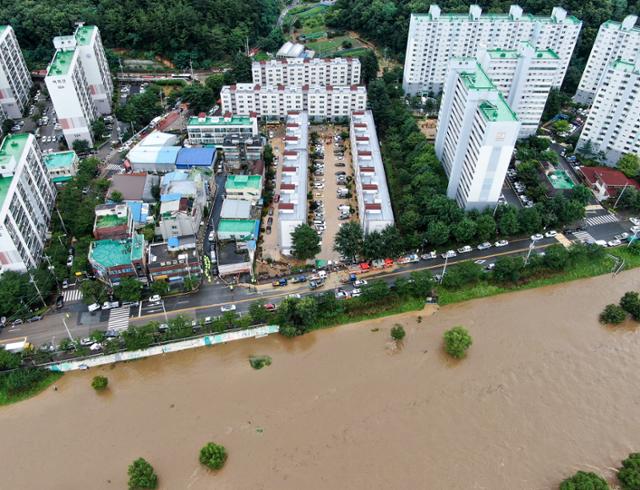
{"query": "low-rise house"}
(112, 221)
(174, 261)
(238, 229)
(189, 158)
(607, 182)
(183, 197)
(113, 260)
(158, 138)
(245, 187)
(241, 150)
(159, 159)
(134, 187)
(235, 209)
(62, 166)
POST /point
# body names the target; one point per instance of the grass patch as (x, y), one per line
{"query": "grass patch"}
(328, 46)
(258, 362)
(579, 271)
(354, 52)
(261, 56)
(50, 378)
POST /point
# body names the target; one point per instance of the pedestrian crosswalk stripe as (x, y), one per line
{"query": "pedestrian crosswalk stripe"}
(584, 237)
(113, 166)
(602, 219)
(119, 318)
(71, 295)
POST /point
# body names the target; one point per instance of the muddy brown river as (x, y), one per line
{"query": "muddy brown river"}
(544, 391)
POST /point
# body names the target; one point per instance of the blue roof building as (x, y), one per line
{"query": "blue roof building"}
(195, 157)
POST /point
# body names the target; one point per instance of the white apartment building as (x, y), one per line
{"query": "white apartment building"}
(435, 38)
(95, 66)
(27, 197)
(69, 92)
(211, 130)
(615, 40)
(374, 202)
(305, 71)
(476, 134)
(524, 76)
(15, 79)
(613, 124)
(320, 102)
(292, 207)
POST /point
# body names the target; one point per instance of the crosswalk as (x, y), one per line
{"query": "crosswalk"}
(602, 219)
(71, 295)
(584, 237)
(119, 318)
(113, 166)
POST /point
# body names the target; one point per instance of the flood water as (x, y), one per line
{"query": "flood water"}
(544, 391)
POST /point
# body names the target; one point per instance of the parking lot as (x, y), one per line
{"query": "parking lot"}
(270, 248)
(329, 179)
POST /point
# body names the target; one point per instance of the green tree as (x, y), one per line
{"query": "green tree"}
(7, 124)
(584, 481)
(215, 83)
(99, 383)
(348, 240)
(116, 196)
(142, 475)
(373, 246)
(456, 342)
(508, 221)
(485, 227)
(93, 292)
(508, 269)
(9, 360)
(393, 243)
(129, 289)
(629, 164)
(258, 312)
(159, 287)
(306, 242)
(99, 129)
(213, 456)
(368, 66)
(375, 291)
(397, 332)
(199, 97)
(462, 274)
(561, 126)
(437, 233)
(529, 220)
(629, 473)
(297, 315)
(81, 146)
(582, 194)
(612, 315)
(630, 303)
(346, 44)
(465, 230)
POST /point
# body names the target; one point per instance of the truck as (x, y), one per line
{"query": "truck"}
(300, 278)
(280, 282)
(17, 346)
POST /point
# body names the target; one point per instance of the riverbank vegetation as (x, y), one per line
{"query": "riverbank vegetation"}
(213, 456)
(457, 341)
(100, 383)
(628, 475)
(142, 475)
(21, 384)
(258, 362)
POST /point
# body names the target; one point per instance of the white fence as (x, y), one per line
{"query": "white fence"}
(164, 349)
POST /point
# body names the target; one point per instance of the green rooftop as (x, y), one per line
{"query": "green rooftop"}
(610, 23)
(61, 62)
(242, 227)
(451, 17)
(62, 159)
(109, 221)
(498, 111)
(12, 148)
(3, 28)
(624, 65)
(242, 182)
(5, 183)
(113, 253)
(514, 53)
(84, 34)
(477, 79)
(219, 121)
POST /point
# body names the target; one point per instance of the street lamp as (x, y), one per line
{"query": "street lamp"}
(531, 247)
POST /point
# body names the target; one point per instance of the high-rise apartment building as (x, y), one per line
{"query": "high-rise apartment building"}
(435, 38)
(95, 66)
(27, 198)
(476, 134)
(314, 71)
(613, 124)
(615, 40)
(15, 80)
(524, 76)
(276, 101)
(69, 91)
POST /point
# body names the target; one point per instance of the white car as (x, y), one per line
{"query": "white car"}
(635, 221)
(635, 229)
(294, 295)
(212, 236)
(93, 307)
(536, 237)
(225, 308)
(614, 243)
(318, 186)
(155, 299)
(551, 233)
(87, 341)
(465, 249)
(449, 254)
(356, 292)
(429, 256)
(360, 282)
(501, 243)
(484, 246)
(479, 261)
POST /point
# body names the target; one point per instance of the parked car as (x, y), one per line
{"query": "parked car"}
(225, 308)
(536, 237)
(635, 221)
(551, 233)
(300, 278)
(270, 307)
(212, 236)
(449, 254)
(360, 282)
(501, 243)
(93, 307)
(429, 256)
(465, 249)
(294, 295)
(280, 282)
(35, 318)
(86, 342)
(155, 299)
(614, 243)
(108, 305)
(356, 292)
(484, 246)
(70, 261)
(635, 229)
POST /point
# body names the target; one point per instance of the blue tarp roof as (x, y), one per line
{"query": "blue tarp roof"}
(173, 242)
(170, 197)
(139, 211)
(195, 157)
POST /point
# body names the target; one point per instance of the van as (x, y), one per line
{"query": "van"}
(344, 207)
(213, 257)
(318, 222)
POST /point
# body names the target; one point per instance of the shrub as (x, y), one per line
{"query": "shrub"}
(99, 383)
(584, 481)
(22, 380)
(457, 341)
(629, 474)
(630, 303)
(258, 362)
(397, 332)
(613, 315)
(213, 456)
(141, 475)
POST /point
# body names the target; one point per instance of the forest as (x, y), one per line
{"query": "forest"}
(386, 22)
(205, 31)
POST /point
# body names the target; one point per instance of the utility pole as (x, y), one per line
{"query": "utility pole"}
(191, 68)
(33, 281)
(620, 195)
(444, 270)
(66, 315)
(61, 221)
(531, 247)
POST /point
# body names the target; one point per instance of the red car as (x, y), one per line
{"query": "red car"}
(270, 307)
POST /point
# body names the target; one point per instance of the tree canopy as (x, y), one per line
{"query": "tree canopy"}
(306, 242)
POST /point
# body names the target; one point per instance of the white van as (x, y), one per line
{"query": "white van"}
(344, 208)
